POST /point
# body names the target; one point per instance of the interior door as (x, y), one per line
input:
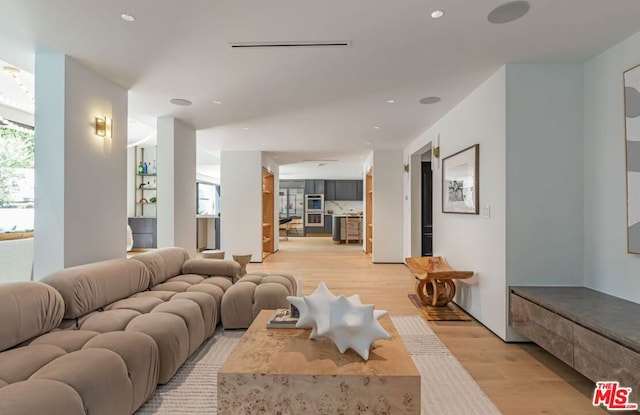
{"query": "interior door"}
(427, 209)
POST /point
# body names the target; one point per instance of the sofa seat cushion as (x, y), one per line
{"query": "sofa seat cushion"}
(213, 290)
(163, 295)
(190, 312)
(253, 293)
(170, 334)
(189, 278)
(222, 282)
(99, 376)
(20, 363)
(208, 306)
(139, 353)
(175, 286)
(40, 396)
(111, 320)
(68, 340)
(140, 304)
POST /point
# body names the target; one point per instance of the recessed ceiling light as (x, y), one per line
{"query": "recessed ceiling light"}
(180, 102)
(368, 143)
(217, 102)
(437, 14)
(246, 128)
(127, 17)
(508, 12)
(430, 100)
(376, 128)
(391, 101)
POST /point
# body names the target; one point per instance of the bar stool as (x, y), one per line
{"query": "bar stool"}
(353, 228)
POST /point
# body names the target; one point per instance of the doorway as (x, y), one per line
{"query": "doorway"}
(427, 208)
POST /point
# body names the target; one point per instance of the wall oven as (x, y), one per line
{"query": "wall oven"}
(314, 219)
(314, 210)
(314, 202)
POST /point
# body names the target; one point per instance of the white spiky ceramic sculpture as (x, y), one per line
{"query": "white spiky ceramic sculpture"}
(346, 321)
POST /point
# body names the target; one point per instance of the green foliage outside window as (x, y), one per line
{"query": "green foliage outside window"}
(16, 152)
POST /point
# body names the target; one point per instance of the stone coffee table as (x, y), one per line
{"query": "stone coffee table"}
(281, 371)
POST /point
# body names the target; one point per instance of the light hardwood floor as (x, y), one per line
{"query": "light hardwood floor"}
(519, 378)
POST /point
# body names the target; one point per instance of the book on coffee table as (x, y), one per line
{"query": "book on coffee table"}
(282, 319)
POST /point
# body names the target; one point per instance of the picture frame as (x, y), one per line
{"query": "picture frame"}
(631, 81)
(461, 181)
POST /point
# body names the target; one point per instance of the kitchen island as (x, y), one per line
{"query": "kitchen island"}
(339, 229)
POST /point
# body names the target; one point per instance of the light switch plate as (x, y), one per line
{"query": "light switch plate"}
(486, 211)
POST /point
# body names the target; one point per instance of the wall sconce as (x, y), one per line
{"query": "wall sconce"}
(435, 152)
(104, 126)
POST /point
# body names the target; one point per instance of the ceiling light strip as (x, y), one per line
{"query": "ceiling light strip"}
(292, 44)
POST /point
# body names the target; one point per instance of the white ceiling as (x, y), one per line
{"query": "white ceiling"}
(300, 101)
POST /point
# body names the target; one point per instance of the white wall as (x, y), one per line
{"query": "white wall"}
(80, 177)
(241, 203)
(607, 265)
(388, 212)
(544, 221)
(471, 242)
(176, 184)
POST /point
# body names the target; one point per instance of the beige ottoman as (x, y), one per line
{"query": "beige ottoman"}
(253, 293)
(213, 254)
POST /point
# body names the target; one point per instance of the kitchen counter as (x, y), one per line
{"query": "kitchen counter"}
(338, 228)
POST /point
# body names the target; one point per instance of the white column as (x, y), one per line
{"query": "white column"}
(176, 184)
(81, 196)
(388, 206)
(241, 203)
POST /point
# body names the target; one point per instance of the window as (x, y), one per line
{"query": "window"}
(207, 199)
(16, 177)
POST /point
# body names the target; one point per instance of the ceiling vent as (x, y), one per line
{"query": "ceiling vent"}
(291, 44)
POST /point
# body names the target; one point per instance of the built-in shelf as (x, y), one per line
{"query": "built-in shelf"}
(147, 188)
(146, 203)
(146, 174)
(268, 209)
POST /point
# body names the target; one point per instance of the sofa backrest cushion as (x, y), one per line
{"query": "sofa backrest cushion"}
(163, 263)
(86, 288)
(211, 267)
(27, 310)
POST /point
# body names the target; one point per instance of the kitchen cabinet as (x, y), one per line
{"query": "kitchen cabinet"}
(328, 224)
(314, 187)
(345, 190)
(359, 190)
(330, 190)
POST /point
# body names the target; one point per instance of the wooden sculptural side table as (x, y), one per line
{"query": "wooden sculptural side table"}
(434, 285)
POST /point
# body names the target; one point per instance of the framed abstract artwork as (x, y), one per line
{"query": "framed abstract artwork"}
(461, 181)
(632, 148)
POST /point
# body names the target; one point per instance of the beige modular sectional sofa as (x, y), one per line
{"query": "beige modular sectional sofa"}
(98, 338)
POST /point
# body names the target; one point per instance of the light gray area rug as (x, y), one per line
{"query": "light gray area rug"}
(447, 388)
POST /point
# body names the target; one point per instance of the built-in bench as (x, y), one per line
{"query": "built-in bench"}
(595, 333)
